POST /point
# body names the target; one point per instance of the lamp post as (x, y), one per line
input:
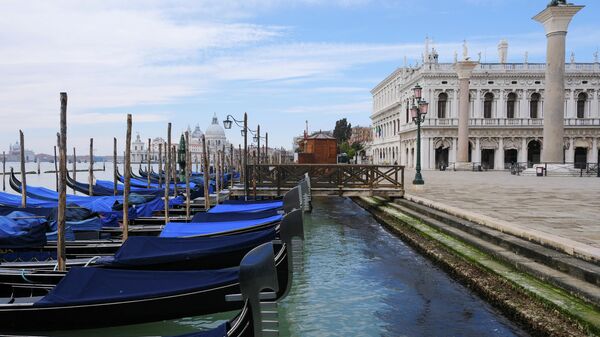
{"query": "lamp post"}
(227, 124)
(418, 112)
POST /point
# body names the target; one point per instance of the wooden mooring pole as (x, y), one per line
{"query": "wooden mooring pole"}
(74, 168)
(56, 162)
(174, 169)
(167, 172)
(160, 146)
(206, 174)
(231, 164)
(23, 175)
(91, 169)
(188, 169)
(127, 181)
(62, 184)
(115, 167)
(149, 162)
(3, 171)
(217, 178)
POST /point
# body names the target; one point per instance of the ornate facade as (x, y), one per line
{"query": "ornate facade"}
(506, 113)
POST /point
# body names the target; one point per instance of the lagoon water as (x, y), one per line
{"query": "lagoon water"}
(358, 280)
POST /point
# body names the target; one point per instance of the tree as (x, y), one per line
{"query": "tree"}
(342, 131)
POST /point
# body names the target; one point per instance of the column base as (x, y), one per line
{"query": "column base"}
(463, 166)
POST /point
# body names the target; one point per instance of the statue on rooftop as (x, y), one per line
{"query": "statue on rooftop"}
(465, 50)
(557, 3)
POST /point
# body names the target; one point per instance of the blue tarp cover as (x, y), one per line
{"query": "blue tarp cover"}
(182, 229)
(100, 285)
(221, 208)
(232, 216)
(22, 233)
(141, 250)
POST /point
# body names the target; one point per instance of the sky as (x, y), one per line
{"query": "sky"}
(281, 61)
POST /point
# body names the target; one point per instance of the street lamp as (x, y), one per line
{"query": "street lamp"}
(227, 123)
(418, 112)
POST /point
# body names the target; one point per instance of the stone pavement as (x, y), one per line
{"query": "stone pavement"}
(566, 207)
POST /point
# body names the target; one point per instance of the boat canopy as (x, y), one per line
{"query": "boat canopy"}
(81, 286)
(142, 250)
(254, 207)
(22, 230)
(232, 216)
(182, 229)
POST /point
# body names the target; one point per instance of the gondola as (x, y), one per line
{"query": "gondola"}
(106, 188)
(196, 191)
(91, 297)
(164, 253)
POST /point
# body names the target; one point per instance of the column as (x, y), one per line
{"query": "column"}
(425, 146)
(570, 153)
(594, 157)
(454, 112)
(452, 154)
(571, 107)
(523, 152)
(523, 109)
(431, 154)
(477, 154)
(501, 108)
(499, 155)
(555, 20)
(477, 105)
(594, 96)
(464, 69)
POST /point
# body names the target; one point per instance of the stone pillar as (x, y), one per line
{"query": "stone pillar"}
(477, 105)
(570, 153)
(501, 107)
(555, 20)
(452, 154)
(594, 113)
(477, 154)
(464, 69)
(571, 106)
(454, 112)
(499, 155)
(523, 153)
(594, 158)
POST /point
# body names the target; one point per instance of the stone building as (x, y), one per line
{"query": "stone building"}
(506, 113)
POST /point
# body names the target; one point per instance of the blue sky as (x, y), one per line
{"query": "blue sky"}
(283, 62)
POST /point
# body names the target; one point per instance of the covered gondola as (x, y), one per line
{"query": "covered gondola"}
(153, 253)
(93, 297)
(106, 188)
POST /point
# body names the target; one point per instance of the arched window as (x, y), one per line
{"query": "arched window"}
(394, 126)
(534, 104)
(581, 99)
(441, 106)
(510, 105)
(488, 99)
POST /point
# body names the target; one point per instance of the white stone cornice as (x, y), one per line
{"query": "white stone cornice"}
(556, 19)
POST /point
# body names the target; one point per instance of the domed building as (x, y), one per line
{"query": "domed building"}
(215, 136)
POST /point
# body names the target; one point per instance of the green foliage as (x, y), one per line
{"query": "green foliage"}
(347, 149)
(342, 131)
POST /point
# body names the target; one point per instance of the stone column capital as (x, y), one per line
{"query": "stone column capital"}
(556, 19)
(464, 69)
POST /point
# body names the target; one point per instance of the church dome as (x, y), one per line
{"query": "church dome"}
(197, 134)
(215, 130)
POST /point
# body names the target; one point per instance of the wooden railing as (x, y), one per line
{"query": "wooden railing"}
(328, 179)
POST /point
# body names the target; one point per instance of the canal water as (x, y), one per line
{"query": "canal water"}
(358, 280)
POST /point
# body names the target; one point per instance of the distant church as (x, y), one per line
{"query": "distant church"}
(214, 135)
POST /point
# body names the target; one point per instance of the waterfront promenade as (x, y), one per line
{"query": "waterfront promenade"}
(563, 207)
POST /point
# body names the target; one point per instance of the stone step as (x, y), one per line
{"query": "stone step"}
(578, 277)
